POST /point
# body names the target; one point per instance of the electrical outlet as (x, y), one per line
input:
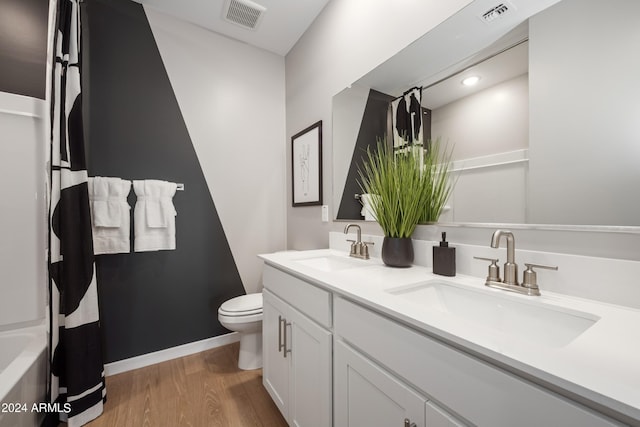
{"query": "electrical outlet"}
(325, 213)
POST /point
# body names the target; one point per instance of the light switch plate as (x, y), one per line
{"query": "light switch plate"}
(325, 213)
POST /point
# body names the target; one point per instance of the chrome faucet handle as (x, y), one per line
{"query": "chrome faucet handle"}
(352, 252)
(486, 259)
(365, 249)
(494, 270)
(530, 278)
(547, 267)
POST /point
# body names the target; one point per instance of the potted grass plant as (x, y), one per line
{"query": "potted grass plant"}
(409, 187)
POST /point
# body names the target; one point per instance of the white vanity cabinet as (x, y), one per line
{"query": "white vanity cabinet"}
(367, 395)
(393, 365)
(297, 348)
(335, 355)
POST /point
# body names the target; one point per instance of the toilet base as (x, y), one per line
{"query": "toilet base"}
(250, 351)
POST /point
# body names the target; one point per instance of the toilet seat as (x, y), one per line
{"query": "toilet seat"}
(242, 306)
(239, 320)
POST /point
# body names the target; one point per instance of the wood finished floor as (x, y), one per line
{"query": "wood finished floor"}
(204, 389)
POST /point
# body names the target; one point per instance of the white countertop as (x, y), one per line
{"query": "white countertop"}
(600, 367)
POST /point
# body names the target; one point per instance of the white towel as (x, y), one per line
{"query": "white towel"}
(109, 215)
(367, 211)
(154, 216)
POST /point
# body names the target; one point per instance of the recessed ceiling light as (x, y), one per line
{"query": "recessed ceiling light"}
(470, 81)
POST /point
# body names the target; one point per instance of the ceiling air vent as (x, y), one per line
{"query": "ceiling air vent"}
(244, 13)
(496, 12)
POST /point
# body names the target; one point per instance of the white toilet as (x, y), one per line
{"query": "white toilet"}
(243, 314)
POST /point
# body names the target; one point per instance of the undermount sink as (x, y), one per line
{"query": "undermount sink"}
(332, 262)
(506, 315)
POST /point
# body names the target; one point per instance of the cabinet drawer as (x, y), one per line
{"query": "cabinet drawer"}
(313, 301)
(475, 390)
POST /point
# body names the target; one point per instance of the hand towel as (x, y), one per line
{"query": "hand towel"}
(367, 211)
(110, 217)
(104, 210)
(154, 216)
(159, 207)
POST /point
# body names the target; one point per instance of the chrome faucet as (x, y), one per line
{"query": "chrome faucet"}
(510, 267)
(529, 284)
(359, 249)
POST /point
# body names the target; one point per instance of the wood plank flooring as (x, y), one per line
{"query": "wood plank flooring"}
(204, 389)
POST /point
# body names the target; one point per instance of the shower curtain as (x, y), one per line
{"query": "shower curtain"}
(407, 120)
(76, 382)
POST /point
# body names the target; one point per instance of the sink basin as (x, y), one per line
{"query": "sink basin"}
(332, 262)
(503, 315)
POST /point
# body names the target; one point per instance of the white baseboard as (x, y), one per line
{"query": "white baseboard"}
(169, 353)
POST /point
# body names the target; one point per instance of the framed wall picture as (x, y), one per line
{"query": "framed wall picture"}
(306, 166)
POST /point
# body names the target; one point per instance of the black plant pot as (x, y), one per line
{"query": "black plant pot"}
(397, 251)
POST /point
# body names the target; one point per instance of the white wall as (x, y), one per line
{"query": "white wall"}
(347, 40)
(487, 132)
(492, 121)
(593, 129)
(349, 105)
(22, 204)
(332, 55)
(232, 98)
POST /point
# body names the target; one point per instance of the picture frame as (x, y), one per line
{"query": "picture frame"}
(306, 166)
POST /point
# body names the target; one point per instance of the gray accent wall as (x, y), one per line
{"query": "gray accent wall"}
(23, 47)
(151, 300)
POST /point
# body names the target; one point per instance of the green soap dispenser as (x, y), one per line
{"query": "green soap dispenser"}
(444, 258)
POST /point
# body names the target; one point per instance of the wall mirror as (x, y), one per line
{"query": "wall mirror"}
(549, 135)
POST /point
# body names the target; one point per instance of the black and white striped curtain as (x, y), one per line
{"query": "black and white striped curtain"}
(77, 370)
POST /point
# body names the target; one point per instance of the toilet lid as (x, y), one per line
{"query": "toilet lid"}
(243, 305)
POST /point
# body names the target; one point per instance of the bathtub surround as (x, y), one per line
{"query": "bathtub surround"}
(170, 101)
(23, 124)
(77, 371)
(23, 121)
(23, 226)
(23, 367)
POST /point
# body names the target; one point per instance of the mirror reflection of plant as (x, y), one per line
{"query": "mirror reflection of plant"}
(437, 168)
(412, 185)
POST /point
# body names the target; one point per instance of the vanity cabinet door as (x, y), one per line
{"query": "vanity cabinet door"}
(275, 367)
(437, 417)
(367, 395)
(471, 388)
(296, 364)
(310, 376)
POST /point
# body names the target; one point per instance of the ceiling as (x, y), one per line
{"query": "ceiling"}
(281, 26)
(504, 66)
